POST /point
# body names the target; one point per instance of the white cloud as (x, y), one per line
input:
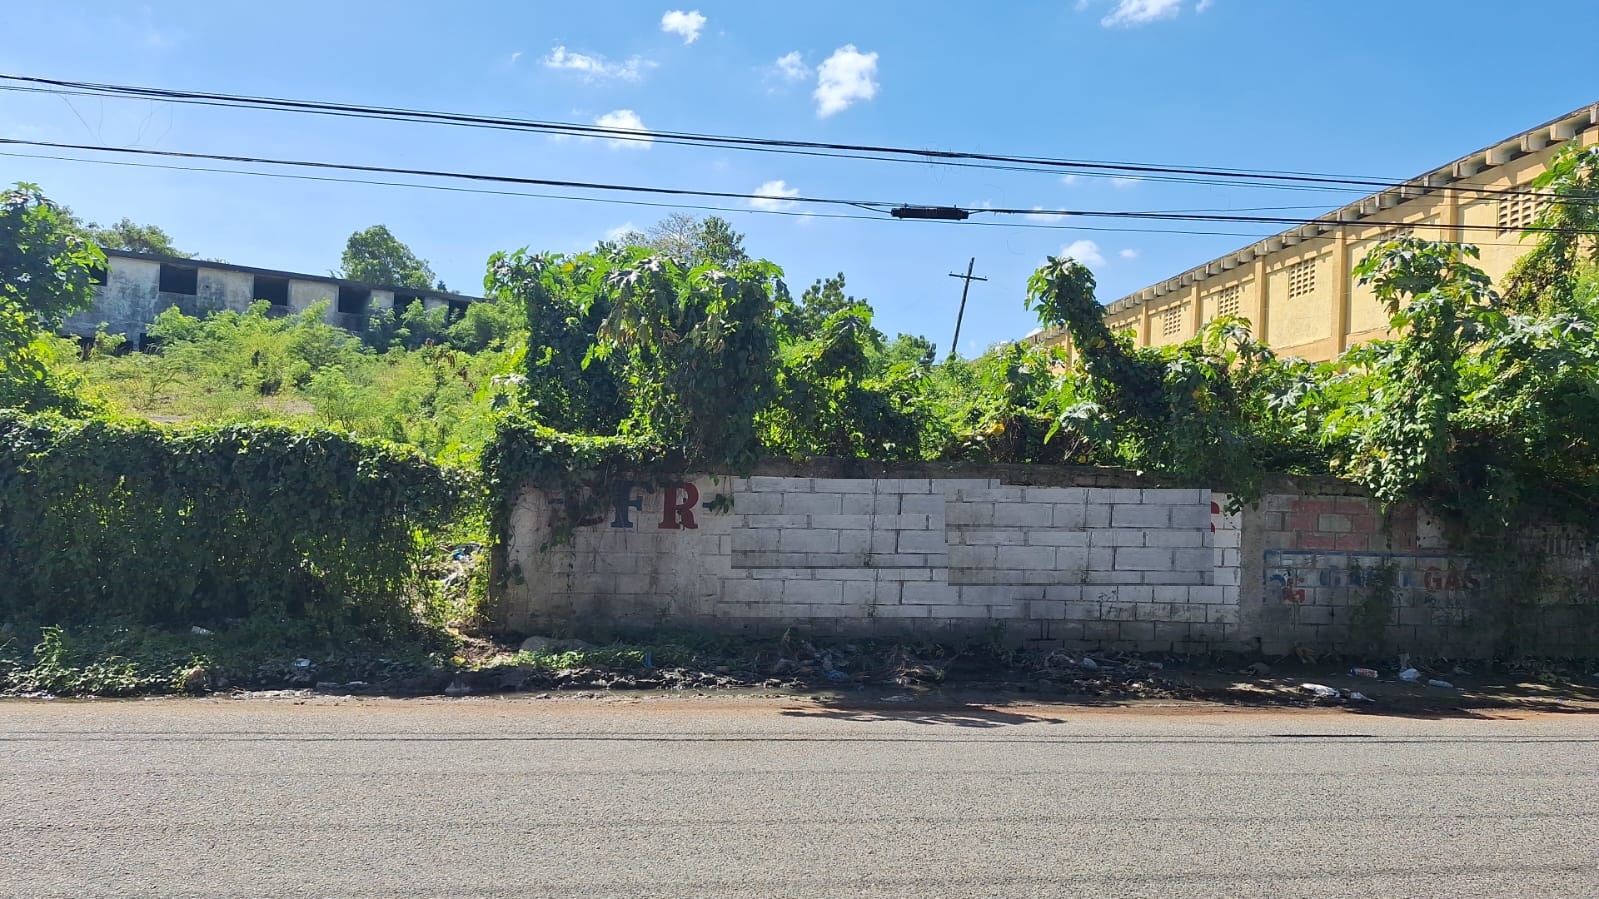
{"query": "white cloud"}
(1038, 215)
(516, 56)
(595, 68)
(1127, 254)
(1202, 5)
(771, 196)
(1070, 180)
(1141, 12)
(621, 231)
(846, 77)
(1084, 251)
(626, 120)
(687, 24)
(791, 67)
(1122, 183)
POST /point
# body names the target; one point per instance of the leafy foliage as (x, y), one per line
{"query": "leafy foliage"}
(197, 526)
(46, 273)
(376, 256)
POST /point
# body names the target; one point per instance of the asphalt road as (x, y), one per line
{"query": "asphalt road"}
(669, 798)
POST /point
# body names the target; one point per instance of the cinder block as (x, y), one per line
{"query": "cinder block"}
(1117, 537)
(972, 556)
(1057, 538)
(1067, 515)
(1132, 558)
(966, 514)
(777, 521)
(1201, 559)
(1116, 577)
(785, 574)
(1071, 560)
(1226, 577)
(756, 540)
(914, 522)
(1024, 558)
(959, 611)
(890, 610)
(843, 485)
(843, 572)
(1221, 614)
(843, 522)
(1053, 495)
(1175, 539)
(1102, 631)
(886, 593)
(1115, 495)
(1227, 539)
(921, 504)
(1171, 631)
(757, 592)
(928, 593)
(1118, 611)
(869, 504)
(812, 504)
(808, 541)
(1206, 594)
(780, 485)
(1175, 496)
(814, 592)
(1197, 517)
(1065, 592)
(996, 495)
(922, 542)
(1039, 609)
(993, 536)
(1096, 515)
(1140, 516)
(1101, 558)
(1024, 515)
(1138, 631)
(906, 485)
(752, 503)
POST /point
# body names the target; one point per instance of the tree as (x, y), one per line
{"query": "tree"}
(820, 302)
(689, 240)
(376, 256)
(136, 238)
(46, 274)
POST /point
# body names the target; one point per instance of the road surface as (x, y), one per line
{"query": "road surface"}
(739, 797)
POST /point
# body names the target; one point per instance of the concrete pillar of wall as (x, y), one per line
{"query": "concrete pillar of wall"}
(1262, 301)
(1143, 323)
(1196, 314)
(1341, 292)
(302, 294)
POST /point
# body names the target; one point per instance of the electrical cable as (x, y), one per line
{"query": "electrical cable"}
(881, 205)
(924, 155)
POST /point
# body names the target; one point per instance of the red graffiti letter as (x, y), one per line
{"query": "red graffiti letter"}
(670, 514)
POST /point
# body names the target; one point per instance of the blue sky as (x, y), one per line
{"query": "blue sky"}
(1383, 89)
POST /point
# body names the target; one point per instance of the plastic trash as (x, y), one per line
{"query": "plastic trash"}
(302, 663)
(1362, 672)
(199, 631)
(1436, 682)
(1410, 675)
(1321, 691)
(1357, 696)
(1088, 664)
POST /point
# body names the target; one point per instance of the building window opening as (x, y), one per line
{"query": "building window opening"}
(1228, 300)
(1302, 279)
(273, 290)
(456, 312)
(179, 279)
(1518, 213)
(98, 274)
(1171, 322)
(403, 301)
(353, 300)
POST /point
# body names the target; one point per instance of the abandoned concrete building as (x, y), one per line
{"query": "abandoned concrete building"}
(136, 287)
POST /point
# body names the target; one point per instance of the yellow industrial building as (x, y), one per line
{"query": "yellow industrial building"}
(1295, 287)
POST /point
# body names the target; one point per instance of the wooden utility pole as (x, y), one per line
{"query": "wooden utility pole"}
(968, 278)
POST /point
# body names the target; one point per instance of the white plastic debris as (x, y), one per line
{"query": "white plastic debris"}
(1436, 682)
(1362, 672)
(199, 631)
(1410, 675)
(1088, 664)
(1357, 696)
(302, 663)
(1321, 691)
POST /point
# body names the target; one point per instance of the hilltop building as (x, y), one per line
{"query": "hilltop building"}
(136, 287)
(1295, 287)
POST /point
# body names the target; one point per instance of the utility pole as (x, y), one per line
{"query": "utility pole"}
(968, 278)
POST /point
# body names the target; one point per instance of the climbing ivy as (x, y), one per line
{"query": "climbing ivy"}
(198, 526)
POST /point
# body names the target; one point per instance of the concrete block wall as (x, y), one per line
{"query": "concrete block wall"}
(1113, 567)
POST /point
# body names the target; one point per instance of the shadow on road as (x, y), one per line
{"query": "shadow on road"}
(946, 714)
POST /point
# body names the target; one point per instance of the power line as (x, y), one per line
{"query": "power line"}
(878, 152)
(881, 206)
